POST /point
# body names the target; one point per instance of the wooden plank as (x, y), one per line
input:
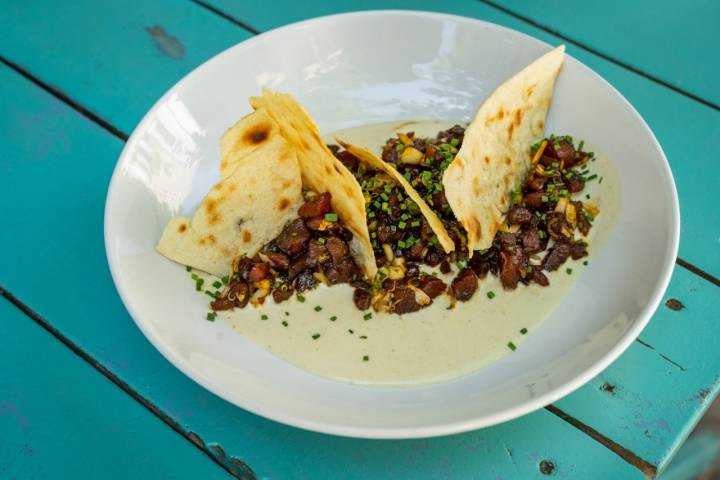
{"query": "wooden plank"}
(652, 397)
(60, 418)
(672, 41)
(72, 287)
(65, 142)
(690, 153)
(115, 58)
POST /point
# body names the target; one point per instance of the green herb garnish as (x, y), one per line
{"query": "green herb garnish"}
(315, 336)
(217, 284)
(367, 316)
(511, 346)
(331, 217)
(366, 358)
(211, 316)
(300, 298)
(523, 331)
(491, 294)
(285, 324)
(263, 317)
(333, 318)
(188, 268)
(568, 271)
(318, 308)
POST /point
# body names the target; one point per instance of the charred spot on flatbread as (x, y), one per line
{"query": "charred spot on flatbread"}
(257, 134)
(283, 204)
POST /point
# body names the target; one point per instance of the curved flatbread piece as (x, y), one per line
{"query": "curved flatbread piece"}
(378, 164)
(495, 155)
(241, 213)
(322, 172)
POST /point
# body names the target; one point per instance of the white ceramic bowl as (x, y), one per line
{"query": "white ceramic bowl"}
(365, 68)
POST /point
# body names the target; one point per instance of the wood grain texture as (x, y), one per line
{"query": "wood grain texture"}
(115, 58)
(658, 390)
(71, 159)
(76, 293)
(60, 418)
(669, 40)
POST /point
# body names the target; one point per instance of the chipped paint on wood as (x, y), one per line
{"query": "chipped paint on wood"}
(674, 304)
(169, 45)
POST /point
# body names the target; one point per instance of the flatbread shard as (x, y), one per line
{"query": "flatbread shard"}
(322, 172)
(242, 212)
(378, 164)
(495, 155)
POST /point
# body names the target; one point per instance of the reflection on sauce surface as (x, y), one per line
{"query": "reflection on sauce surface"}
(328, 336)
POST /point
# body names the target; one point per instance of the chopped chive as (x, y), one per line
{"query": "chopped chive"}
(321, 241)
(544, 198)
(600, 180)
(225, 279)
(287, 314)
(568, 271)
(211, 316)
(491, 294)
(364, 337)
(415, 223)
(333, 318)
(351, 331)
(300, 298)
(263, 317)
(285, 324)
(236, 277)
(523, 331)
(315, 336)
(401, 225)
(384, 196)
(587, 195)
(188, 268)
(581, 144)
(217, 284)
(511, 346)
(318, 308)
(367, 316)
(591, 177)
(331, 217)
(585, 262)
(195, 277)
(366, 358)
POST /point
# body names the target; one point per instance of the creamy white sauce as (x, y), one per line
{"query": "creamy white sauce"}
(434, 344)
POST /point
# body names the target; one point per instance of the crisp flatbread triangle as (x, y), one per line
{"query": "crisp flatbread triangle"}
(378, 164)
(322, 172)
(495, 155)
(259, 192)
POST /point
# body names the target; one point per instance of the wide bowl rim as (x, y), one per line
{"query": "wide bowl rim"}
(467, 424)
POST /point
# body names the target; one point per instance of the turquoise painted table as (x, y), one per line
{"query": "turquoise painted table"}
(84, 395)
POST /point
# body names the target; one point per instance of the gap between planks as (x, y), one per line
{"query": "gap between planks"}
(600, 54)
(232, 465)
(647, 468)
